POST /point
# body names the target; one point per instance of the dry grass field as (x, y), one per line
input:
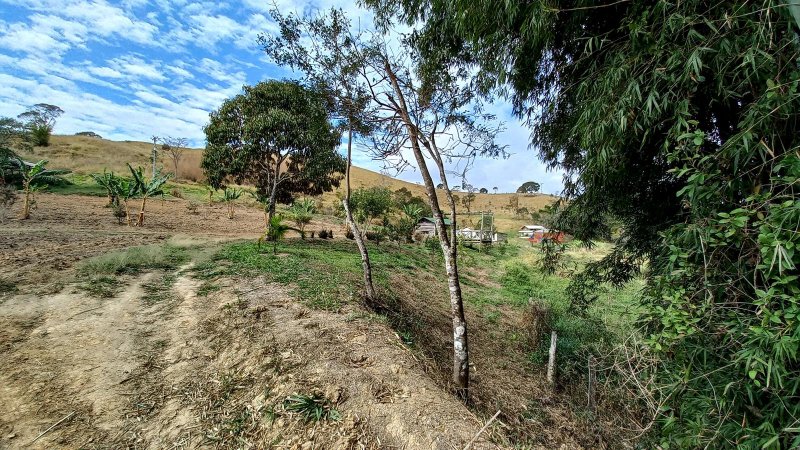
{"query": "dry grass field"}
(84, 155)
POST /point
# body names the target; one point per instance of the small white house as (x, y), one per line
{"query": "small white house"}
(470, 234)
(527, 231)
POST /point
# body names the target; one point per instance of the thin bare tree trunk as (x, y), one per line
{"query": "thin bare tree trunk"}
(460, 342)
(369, 288)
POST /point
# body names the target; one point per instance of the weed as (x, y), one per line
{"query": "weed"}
(314, 407)
(135, 260)
(102, 286)
(206, 288)
(7, 286)
(158, 290)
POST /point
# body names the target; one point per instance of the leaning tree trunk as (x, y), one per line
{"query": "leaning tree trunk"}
(369, 288)
(460, 343)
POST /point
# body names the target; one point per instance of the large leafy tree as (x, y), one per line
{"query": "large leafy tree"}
(276, 136)
(679, 119)
(40, 119)
(333, 61)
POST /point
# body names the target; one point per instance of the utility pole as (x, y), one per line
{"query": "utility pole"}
(155, 154)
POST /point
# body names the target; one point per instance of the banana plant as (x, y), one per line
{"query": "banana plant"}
(109, 182)
(34, 179)
(148, 188)
(127, 188)
(229, 195)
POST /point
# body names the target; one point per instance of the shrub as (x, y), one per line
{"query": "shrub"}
(323, 234)
(312, 234)
(330, 234)
(175, 192)
(349, 234)
(432, 243)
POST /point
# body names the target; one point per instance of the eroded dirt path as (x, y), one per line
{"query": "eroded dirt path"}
(159, 366)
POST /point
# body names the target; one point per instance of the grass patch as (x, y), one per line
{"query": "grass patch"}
(324, 274)
(207, 288)
(313, 408)
(134, 260)
(101, 286)
(7, 286)
(158, 290)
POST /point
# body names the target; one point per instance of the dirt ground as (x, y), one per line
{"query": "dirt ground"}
(185, 369)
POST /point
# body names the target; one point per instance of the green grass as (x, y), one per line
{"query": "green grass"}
(324, 274)
(135, 260)
(312, 407)
(159, 290)
(101, 286)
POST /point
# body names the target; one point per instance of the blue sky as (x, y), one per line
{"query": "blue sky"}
(137, 68)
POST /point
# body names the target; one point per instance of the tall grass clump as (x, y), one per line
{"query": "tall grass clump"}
(135, 260)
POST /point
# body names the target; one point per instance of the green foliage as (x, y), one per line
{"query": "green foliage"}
(276, 136)
(39, 121)
(313, 408)
(301, 212)
(411, 213)
(367, 204)
(529, 187)
(679, 120)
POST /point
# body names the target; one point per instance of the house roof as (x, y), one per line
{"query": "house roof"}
(432, 220)
(533, 228)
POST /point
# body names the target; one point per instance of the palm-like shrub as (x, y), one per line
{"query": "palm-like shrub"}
(302, 211)
(34, 178)
(109, 182)
(229, 195)
(147, 188)
(275, 232)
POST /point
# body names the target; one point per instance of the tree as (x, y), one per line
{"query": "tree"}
(678, 119)
(277, 136)
(370, 203)
(494, 189)
(34, 178)
(468, 199)
(529, 187)
(39, 120)
(484, 190)
(175, 147)
(435, 120)
(333, 62)
(439, 186)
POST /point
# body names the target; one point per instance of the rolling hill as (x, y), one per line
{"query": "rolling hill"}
(84, 155)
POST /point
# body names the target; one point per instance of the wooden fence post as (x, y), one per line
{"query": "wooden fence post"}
(590, 387)
(551, 361)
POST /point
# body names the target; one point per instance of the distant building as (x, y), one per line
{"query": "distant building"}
(427, 226)
(537, 233)
(471, 235)
(528, 230)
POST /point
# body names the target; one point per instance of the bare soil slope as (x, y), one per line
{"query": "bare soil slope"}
(159, 366)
